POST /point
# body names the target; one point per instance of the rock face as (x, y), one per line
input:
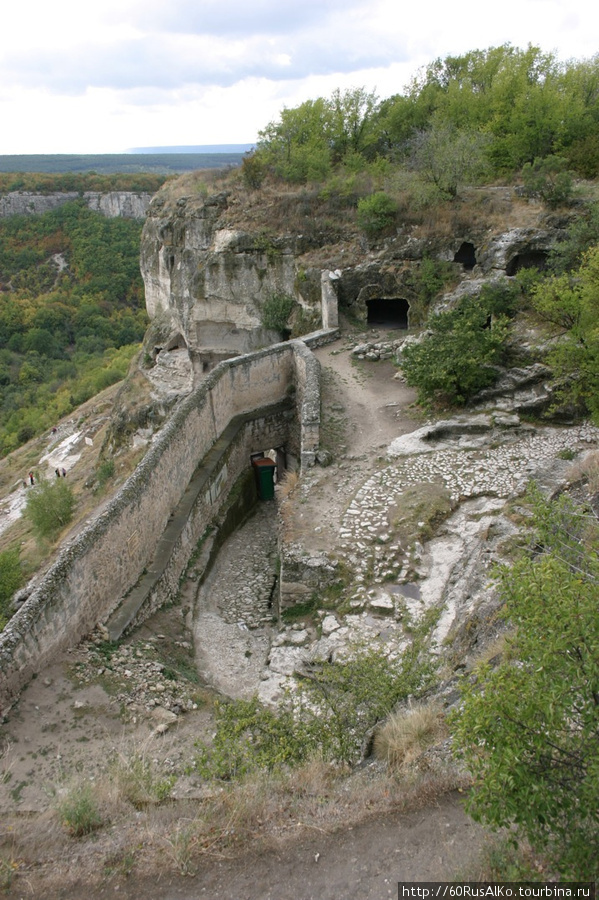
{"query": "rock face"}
(212, 274)
(113, 204)
(207, 285)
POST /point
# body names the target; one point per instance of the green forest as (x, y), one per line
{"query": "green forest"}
(485, 114)
(72, 314)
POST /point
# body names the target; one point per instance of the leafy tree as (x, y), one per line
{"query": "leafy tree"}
(448, 157)
(528, 730)
(49, 507)
(458, 355)
(571, 303)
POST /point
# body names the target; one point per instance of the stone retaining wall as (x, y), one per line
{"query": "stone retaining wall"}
(101, 565)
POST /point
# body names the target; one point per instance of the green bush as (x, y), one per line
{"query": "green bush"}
(276, 311)
(457, 358)
(332, 714)
(527, 730)
(78, 811)
(11, 578)
(548, 179)
(49, 507)
(376, 213)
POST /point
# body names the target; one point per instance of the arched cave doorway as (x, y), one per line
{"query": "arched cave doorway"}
(531, 259)
(466, 255)
(388, 312)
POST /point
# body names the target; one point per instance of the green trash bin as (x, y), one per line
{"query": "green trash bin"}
(265, 477)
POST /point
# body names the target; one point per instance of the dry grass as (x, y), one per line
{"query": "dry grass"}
(587, 470)
(406, 735)
(264, 811)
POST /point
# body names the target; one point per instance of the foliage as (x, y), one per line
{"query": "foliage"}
(49, 507)
(528, 729)
(253, 170)
(376, 213)
(332, 714)
(448, 157)
(499, 108)
(581, 235)
(72, 312)
(570, 303)
(11, 578)
(456, 357)
(275, 312)
(548, 179)
(79, 812)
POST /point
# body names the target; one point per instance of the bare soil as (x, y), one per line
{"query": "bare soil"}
(85, 710)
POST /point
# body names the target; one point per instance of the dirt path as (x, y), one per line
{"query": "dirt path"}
(361, 863)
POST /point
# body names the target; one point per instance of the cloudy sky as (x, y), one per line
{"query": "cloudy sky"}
(102, 76)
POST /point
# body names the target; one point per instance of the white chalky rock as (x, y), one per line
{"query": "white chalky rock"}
(329, 624)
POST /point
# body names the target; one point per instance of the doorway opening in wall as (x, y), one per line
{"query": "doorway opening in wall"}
(388, 312)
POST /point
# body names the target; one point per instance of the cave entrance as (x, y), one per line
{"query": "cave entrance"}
(532, 259)
(466, 255)
(388, 312)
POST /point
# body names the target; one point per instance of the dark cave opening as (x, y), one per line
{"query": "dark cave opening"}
(466, 255)
(531, 259)
(392, 313)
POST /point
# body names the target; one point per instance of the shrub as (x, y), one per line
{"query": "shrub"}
(528, 729)
(276, 311)
(10, 581)
(548, 179)
(376, 213)
(49, 507)
(79, 812)
(457, 358)
(332, 715)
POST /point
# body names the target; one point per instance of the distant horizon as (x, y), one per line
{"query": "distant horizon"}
(142, 151)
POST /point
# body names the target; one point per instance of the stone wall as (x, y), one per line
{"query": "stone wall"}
(112, 204)
(98, 568)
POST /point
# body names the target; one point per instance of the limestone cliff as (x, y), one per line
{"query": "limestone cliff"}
(113, 204)
(214, 264)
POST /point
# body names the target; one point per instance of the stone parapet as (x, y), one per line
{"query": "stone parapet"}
(105, 561)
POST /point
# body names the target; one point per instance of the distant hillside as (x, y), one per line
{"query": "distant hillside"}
(107, 163)
(197, 148)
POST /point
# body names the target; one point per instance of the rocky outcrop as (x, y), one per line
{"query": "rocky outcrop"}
(210, 285)
(112, 204)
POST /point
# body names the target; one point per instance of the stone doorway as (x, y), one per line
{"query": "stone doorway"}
(388, 312)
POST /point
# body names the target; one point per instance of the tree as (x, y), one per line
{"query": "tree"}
(571, 303)
(529, 729)
(448, 157)
(457, 358)
(49, 507)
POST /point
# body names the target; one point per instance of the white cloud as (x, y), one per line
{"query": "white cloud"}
(101, 77)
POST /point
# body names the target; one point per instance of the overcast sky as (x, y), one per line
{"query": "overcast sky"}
(102, 76)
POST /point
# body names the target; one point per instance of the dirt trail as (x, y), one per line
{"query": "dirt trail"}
(361, 863)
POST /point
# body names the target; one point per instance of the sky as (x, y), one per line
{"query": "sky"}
(103, 76)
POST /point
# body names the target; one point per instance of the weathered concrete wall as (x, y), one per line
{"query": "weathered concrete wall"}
(112, 204)
(100, 566)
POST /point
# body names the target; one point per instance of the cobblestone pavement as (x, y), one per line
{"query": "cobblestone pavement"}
(232, 622)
